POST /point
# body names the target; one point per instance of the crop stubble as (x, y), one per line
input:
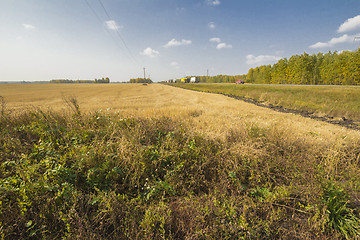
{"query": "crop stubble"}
(210, 114)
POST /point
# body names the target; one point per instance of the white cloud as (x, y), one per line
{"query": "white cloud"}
(343, 39)
(112, 25)
(213, 2)
(211, 25)
(220, 45)
(174, 43)
(216, 40)
(150, 52)
(261, 59)
(341, 51)
(350, 25)
(28, 26)
(223, 45)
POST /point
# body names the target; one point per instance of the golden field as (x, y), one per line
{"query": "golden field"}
(210, 114)
(134, 161)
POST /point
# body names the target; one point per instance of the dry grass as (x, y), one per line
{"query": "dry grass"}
(209, 113)
(219, 169)
(335, 101)
(213, 115)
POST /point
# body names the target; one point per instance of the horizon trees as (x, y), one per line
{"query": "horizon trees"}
(331, 68)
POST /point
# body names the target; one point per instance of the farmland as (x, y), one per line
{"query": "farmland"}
(334, 101)
(133, 161)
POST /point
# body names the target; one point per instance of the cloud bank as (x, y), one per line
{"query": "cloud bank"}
(220, 45)
(350, 25)
(112, 25)
(332, 42)
(216, 40)
(223, 45)
(261, 59)
(174, 43)
(213, 2)
(149, 52)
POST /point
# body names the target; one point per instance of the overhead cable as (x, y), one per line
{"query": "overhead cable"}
(117, 31)
(109, 32)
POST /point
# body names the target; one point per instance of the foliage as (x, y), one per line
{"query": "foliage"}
(102, 80)
(221, 78)
(76, 176)
(140, 80)
(340, 215)
(332, 68)
(215, 79)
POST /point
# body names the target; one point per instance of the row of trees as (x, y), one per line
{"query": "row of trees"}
(332, 68)
(102, 80)
(221, 78)
(216, 79)
(140, 80)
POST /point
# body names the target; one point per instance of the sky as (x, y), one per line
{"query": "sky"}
(42, 40)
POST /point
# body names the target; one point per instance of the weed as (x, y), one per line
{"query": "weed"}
(340, 216)
(72, 102)
(2, 103)
(107, 176)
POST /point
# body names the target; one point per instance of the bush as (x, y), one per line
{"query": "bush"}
(109, 177)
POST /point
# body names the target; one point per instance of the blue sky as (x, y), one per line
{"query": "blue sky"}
(79, 39)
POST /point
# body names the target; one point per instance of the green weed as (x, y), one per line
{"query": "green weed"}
(111, 177)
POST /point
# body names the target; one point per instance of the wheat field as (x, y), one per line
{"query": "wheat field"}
(213, 115)
(209, 114)
(134, 161)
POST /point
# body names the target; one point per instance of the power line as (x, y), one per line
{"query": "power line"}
(101, 21)
(94, 12)
(118, 32)
(108, 31)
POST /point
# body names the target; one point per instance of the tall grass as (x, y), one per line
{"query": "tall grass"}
(107, 176)
(331, 100)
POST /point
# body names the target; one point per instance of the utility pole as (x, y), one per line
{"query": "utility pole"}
(357, 38)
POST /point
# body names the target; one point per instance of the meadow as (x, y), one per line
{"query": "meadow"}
(334, 101)
(134, 161)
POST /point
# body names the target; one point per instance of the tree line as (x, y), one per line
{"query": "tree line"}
(100, 80)
(332, 68)
(221, 78)
(215, 79)
(140, 80)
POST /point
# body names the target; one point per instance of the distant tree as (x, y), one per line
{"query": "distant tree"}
(330, 68)
(140, 80)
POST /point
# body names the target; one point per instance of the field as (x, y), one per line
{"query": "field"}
(335, 102)
(134, 161)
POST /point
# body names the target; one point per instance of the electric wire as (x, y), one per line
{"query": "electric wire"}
(111, 35)
(118, 32)
(101, 21)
